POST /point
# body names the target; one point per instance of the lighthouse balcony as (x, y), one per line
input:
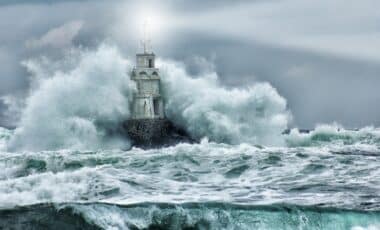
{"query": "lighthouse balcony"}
(139, 70)
(145, 74)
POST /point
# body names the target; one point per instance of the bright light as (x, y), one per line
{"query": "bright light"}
(129, 28)
(151, 21)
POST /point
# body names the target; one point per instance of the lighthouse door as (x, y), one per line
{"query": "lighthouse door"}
(156, 106)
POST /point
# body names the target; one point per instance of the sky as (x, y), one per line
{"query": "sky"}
(322, 56)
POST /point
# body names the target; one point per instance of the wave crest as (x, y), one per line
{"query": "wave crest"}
(334, 135)
(74, 108)
(78, 100)
(256, 115)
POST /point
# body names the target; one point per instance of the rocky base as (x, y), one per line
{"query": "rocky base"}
(147, 133)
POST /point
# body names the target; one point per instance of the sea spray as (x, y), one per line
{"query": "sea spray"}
(256, 114)
(77, 100)
(5, 135)
(74, 107)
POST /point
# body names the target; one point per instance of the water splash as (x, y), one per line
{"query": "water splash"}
(74, 107)
(76, 101)
(256, 114)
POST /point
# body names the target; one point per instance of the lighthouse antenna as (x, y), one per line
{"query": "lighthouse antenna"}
(146, 40)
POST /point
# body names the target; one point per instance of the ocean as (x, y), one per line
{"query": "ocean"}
(62, 169)
(330, 183)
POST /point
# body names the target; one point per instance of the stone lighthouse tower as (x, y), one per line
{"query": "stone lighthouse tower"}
(147, 101)
(147, 125)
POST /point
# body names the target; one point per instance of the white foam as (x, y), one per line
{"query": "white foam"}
(70, 104)
(256, 114)
(76, 99)
(81, 185)
(205, 172)
(370, 227)
(5, 134)
(334, 134)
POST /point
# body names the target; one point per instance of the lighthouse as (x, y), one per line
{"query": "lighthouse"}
(147, 101)
(147, 124)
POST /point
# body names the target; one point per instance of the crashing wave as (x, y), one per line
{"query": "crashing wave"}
(333, 135)
(80, 104)
(256, 115)
(74, 104)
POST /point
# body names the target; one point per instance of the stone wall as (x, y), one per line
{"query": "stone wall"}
(154, 132)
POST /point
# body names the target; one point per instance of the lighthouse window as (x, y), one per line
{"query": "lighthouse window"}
(150, 63)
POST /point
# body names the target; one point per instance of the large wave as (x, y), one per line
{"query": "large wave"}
(76, 100)
(74, 105)
(186, 216)
(256, 114)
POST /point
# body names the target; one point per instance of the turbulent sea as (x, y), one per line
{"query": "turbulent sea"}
(61, 168)
(333, 183)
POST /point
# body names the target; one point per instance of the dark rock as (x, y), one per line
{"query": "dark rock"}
(148, 133)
